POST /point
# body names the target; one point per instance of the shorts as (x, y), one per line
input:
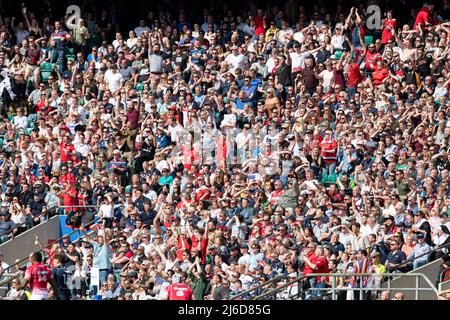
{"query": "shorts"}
(39, 296)
(31, 68)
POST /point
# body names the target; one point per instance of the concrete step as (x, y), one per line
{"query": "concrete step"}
(430, 270)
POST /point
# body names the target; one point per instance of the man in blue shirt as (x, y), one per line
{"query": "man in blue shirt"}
(249, 91)
(101, 259)
(197, 55)
(420, 250)
(162, 139)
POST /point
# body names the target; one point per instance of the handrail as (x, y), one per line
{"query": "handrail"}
(280, 277)
(7, 232)
(277, 278)
(49, 245)
(407, 261)
(279, 289)
(11, 278)
(276, 290)
(26, 221)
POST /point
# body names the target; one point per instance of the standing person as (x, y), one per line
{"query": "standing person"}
(102, 253)
(362, 265)
(219, 291)
(315, 262)
(38, 275)
(328, 150)
(198, 279)
(388, 25)
(422, 226)
(60, 275)
(178, 290)
(423, 16)
(80, 35)
(59, 41)
(283, 73)
(376, 269)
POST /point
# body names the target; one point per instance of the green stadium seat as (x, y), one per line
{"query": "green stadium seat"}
(139, 87)
(368, 39)
(327, 179)
(46, 66)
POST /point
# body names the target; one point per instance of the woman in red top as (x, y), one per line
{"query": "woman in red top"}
(380, 73)
(388, 24)
(199, 238)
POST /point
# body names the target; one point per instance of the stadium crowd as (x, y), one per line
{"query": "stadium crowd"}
(217, 152)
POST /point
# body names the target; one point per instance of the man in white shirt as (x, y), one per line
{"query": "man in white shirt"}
(244, 27)
(235, 59)
(245, 258)
(242, 139)
(141, 28)
(114, 79)
(260, 66)
(298, 35)
(297, 58)
(286, 33)
(81, 147)
(369, 227)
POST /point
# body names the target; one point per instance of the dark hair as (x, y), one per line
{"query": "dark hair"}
(37, 256)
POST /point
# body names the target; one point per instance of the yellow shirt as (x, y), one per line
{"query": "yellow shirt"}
(380, 268)
(271, 33)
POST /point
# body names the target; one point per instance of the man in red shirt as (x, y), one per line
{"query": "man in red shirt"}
(260, 23)
(388, 24)
(38, 275)
(132, 115)
(179, 290)
(423, 17)
(315, 262)
(277, 193)
(67, 150)
(371, 58)
(66, 176)
(70, 196)
(355, 76)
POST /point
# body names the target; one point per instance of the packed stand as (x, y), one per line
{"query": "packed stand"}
(224, 151)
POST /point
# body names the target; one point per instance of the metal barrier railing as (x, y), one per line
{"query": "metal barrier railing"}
(408, 261)
(405, 263)
(7, 278)
(263, 285)
(87, 225)
(334, 289)
(17, 263)
(26, 222)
